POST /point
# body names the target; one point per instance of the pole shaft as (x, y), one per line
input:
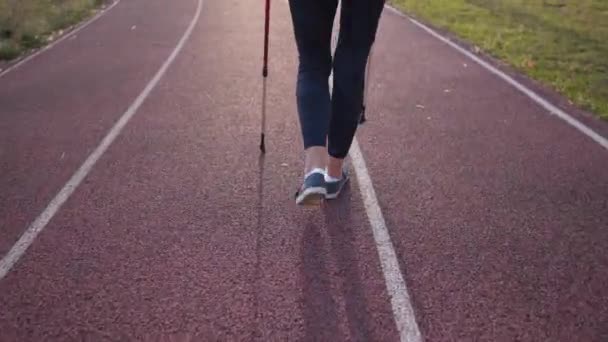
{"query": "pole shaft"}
(266, 33)
(265, 75)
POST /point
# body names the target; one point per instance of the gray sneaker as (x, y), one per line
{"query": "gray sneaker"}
(313, 190)
(334, 188)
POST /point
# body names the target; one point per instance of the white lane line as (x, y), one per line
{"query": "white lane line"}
(11, 258)
(68, 35)
(403, 312)
(551, 108)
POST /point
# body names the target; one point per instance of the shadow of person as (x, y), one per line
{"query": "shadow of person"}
(339, 223)
(320, 307)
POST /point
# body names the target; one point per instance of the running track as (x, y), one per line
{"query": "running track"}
(497, 210)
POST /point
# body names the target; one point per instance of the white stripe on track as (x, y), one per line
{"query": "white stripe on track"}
(27, 238)
(546, 104)
(403, 312)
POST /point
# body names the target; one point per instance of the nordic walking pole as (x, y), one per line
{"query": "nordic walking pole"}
(265, 76)
(366, 85)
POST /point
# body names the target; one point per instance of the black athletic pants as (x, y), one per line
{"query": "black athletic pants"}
(323, 118)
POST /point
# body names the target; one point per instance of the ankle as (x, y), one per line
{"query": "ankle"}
(334, 167)
(315, 159)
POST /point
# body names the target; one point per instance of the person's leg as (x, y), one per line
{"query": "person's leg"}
(312, 22)
(358, 26)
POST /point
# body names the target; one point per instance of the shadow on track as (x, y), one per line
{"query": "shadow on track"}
(319, 306)
(256, 333)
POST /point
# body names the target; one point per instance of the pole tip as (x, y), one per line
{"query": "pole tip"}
(362, 119)
(262, 144)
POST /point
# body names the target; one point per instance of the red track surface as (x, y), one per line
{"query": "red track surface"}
(498, 211)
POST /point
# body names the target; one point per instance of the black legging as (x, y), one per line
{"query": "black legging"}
(323, 118)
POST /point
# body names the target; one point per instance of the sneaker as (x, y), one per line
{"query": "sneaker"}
(334, 188)
(313, 190)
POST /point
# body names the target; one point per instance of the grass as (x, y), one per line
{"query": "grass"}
(28, 24)
(561, 43)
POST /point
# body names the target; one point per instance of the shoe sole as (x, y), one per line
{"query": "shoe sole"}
(311, 196)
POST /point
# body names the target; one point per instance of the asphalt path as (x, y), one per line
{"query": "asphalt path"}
(176, 228)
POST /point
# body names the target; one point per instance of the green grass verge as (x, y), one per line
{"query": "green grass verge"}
(28, 24)
(560, 43)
